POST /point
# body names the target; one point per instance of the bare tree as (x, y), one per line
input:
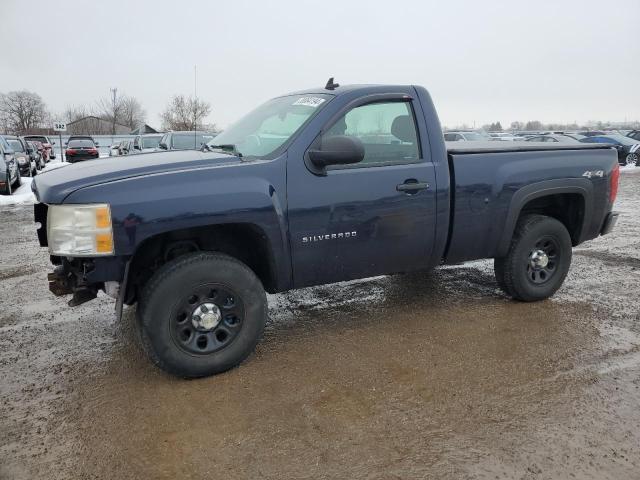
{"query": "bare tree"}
(21, 111)
(110, 109)
(75, 112)
(120, 110)
(185, 113)
(132, 114)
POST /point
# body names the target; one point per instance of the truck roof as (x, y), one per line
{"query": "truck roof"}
(342, 89)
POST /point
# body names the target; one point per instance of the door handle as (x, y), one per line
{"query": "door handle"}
(411, 187)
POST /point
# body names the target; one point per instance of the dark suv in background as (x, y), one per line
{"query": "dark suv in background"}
(9, 171)
(26, 163)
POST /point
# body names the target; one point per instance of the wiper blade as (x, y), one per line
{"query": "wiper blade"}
(229, 148)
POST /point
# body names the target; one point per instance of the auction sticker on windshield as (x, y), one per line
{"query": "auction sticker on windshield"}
(309, 101)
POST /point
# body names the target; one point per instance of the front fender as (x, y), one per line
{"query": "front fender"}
(145, 206)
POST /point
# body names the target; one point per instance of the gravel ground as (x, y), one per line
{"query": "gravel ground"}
(417, 376)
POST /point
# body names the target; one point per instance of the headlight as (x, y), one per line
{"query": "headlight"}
(79, 230)
(22, 160)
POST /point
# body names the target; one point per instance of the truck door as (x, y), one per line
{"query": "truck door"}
(370, 218)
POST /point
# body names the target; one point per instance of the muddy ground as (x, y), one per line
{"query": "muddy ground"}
(416, 376)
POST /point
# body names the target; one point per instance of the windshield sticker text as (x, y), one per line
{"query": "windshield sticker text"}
(309, 101)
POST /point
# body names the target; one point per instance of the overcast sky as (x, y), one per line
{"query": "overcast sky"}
(482, 61)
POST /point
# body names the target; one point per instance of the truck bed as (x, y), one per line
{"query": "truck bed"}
(489, 181)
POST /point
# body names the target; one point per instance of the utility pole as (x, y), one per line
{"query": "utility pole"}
(114, 95)
(195, 107)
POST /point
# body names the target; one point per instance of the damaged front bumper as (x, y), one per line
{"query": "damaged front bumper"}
(83, 278)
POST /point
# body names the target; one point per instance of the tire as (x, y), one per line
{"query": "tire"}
(172, 300)
(631, 160)
(538, 259)
(18, 180)
(8, 189)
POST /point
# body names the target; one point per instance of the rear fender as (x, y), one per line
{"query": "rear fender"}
(580, 186)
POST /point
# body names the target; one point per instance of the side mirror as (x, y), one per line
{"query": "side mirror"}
(97, 144)
(337, 150)
(53, 143)
(29, 150)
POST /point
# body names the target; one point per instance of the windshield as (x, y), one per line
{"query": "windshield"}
(188, 141)
(81, 143)
(265, 129)
(16, 145)
(151, 142)
(39, 139)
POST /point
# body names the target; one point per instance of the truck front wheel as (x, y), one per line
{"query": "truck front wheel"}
(201, 314)
(538, 259)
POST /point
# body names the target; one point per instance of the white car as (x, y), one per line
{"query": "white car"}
(504, 137)
(146, 143)
(464, 137)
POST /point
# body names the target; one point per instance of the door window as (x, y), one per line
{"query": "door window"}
(387, 130)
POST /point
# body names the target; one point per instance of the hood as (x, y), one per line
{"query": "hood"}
(54, 186)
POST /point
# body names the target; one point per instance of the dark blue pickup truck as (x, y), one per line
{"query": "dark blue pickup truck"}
(314, 187)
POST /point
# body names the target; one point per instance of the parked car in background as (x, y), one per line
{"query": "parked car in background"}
(9, 171)
(575, 136)
(81, 137)
(628, 148)
(46, 143)
(146, 143)
(184, 140)
(78, 150)
(464, 137)
(552, 138)
(127, 147)
(118, 148)
(592, 133)
(42, 150)
(635, 134)
(35, 155)
(504, 137)
(26, 164)
(114, 149)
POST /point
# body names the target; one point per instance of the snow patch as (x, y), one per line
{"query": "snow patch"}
(23, 194)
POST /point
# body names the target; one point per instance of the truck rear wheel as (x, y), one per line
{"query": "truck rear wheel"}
(201, 314)
(538, 259)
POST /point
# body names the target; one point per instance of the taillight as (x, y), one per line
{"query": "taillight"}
(70, 151)
(93, 150)
(613, 183)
